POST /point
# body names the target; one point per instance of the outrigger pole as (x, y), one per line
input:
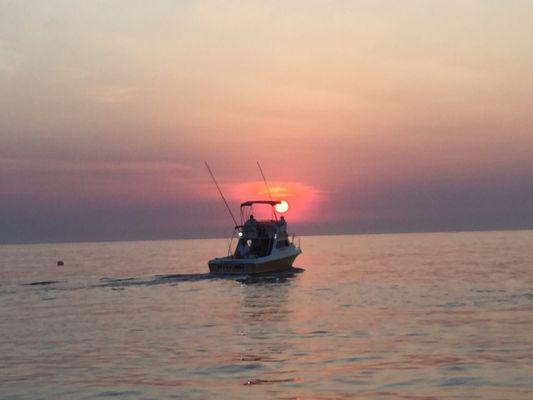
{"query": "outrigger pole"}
(268, 188)
(221, 194)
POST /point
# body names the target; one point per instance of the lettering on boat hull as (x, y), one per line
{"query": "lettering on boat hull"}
(232, 266)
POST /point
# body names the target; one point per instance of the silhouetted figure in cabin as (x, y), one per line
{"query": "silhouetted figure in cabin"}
(250, 227)
(243, 250)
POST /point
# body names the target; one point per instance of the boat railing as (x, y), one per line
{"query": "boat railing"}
(230, 244)
(295, 240)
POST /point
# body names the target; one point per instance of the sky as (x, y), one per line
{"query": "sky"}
(366, 116)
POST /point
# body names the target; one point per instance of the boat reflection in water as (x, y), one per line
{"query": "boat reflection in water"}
(265, 316)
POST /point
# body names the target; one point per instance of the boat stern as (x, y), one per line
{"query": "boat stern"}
(239, 266)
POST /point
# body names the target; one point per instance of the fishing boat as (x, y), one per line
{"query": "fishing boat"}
(262, 246)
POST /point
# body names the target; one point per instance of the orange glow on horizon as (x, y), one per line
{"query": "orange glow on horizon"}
(303, 198)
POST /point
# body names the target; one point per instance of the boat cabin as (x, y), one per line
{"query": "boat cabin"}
(260, 238)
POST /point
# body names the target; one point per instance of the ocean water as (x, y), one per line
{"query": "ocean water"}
(410, 316)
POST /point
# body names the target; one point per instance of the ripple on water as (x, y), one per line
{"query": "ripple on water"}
(464, 381)
(257, 381)
(40, 283)
(230, 369)
(119, 393)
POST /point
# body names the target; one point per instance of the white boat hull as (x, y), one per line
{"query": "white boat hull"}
(272, 263)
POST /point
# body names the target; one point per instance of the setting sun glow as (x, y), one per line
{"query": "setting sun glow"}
(282, 207)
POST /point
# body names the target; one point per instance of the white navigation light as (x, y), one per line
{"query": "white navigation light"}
(240, 233)
(282, 207)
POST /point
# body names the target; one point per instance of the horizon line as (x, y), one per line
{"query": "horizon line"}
(308, 235)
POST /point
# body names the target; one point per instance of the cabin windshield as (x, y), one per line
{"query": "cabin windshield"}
(258, 238)
(253, 248)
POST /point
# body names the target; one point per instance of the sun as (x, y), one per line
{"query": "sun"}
(282, 207)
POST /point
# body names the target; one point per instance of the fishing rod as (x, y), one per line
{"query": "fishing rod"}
(268, 188)
(221, 194)
(264, 180)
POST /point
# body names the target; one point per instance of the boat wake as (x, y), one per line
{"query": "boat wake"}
(173, 279)
(179, 278)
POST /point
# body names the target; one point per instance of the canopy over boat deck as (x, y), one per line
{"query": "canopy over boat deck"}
(252, 202)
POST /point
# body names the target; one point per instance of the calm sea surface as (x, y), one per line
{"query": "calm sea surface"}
(414, 316)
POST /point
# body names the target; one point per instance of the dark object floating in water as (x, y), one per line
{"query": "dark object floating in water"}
(60, 262)
(40, 283)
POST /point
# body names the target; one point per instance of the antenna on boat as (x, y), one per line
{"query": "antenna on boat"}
(268, 188)
(221, 194)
